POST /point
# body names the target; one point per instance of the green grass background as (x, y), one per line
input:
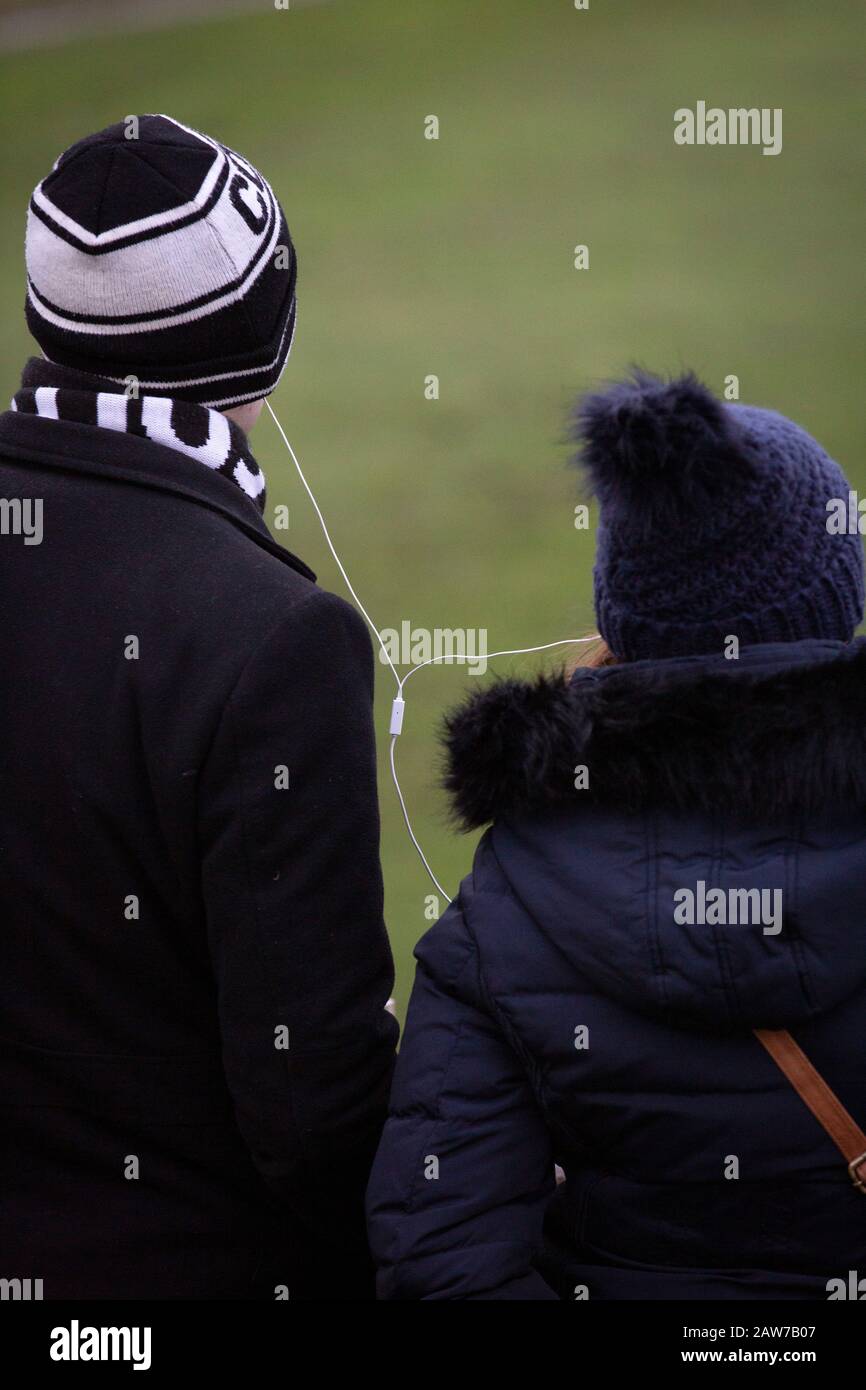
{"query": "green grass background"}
(456, 258)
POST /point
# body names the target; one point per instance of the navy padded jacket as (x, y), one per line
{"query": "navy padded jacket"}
(565, 1013)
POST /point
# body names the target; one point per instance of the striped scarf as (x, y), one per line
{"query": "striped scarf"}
(195, 430)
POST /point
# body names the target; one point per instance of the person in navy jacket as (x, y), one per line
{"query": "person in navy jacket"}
(675, 857)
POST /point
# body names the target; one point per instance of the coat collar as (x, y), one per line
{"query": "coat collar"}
(129, 458)
(782, 729)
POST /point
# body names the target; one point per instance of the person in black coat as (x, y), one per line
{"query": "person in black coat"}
(676, 858)
(195, 1054)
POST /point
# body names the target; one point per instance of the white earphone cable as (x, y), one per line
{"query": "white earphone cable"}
(398, 706)
(512, 651)
(412, 835)
(327, 536)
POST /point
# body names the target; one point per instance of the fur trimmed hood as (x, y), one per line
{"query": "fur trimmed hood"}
(783, 728)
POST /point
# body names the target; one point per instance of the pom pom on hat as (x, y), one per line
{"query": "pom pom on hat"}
(661, 445)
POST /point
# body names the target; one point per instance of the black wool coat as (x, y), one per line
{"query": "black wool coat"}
(194, 1053)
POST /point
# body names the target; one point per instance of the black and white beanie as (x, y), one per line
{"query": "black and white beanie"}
(155, 252)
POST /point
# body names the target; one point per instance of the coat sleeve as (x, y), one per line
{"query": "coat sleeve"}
(465, 1167)
(292, 889)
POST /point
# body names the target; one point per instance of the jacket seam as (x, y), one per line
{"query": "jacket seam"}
(250, 657)
(652, 901)
(792, 886)
(436, 1118)
(229, 715)
(732, 1000)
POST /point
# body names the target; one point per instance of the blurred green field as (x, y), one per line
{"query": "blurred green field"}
(455, 257)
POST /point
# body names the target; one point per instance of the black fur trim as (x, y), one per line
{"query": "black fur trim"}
(753, 742)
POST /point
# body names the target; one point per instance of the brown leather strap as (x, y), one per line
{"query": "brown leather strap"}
(824, 1104)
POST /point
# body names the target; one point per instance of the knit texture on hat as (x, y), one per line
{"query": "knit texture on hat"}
(165, 257)
(712, 523)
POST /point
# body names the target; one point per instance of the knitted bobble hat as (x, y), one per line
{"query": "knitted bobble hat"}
(712, 523)
(155, 252)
